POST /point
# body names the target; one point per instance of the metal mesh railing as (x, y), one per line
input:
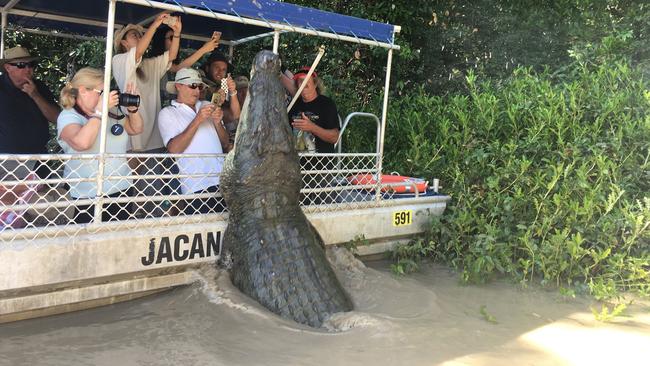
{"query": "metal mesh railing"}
(44, 196)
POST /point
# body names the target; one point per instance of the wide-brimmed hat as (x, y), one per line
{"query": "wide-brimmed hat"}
(120, 33)
(185, 76)
(17, 54)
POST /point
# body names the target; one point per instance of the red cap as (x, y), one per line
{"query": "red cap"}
(303, 73)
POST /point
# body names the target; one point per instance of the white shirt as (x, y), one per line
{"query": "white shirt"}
(175, 119)
(124, 71)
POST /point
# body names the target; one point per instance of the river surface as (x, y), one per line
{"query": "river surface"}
(424, 319)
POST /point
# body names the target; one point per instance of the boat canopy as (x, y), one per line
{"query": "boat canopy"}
(238, 20)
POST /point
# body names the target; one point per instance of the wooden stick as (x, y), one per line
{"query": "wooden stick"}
(321, 52)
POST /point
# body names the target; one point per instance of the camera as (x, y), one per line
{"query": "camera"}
(128, 100)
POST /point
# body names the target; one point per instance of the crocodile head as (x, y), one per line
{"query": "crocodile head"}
(264, 122)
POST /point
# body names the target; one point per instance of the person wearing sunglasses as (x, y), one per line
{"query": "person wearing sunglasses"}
(193, 126)
(162, 42)
(26, 106)
(79, 132)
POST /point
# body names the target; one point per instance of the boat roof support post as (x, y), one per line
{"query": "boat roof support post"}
(276, 41)
(2, 37)
(384, 116)
(102, 130)
(231, 52)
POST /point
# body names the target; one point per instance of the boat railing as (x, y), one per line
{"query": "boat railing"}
(355, 116)
(52, 204)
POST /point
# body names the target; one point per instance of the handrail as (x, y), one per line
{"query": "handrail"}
(339, 142)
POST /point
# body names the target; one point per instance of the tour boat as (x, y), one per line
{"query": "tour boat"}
(50, 266)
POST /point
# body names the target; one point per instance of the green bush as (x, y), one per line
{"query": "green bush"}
(549, 180)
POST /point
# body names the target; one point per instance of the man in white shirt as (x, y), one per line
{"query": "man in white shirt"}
(194, 126)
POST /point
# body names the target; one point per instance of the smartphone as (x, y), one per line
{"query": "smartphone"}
(216, 35)
(217, 99)
(170, 21)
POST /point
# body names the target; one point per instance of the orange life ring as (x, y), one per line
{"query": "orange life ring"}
(391, 181)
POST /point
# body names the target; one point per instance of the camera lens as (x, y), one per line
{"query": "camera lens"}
(129, 100)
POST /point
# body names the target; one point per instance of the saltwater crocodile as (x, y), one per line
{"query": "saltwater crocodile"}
(277, 256)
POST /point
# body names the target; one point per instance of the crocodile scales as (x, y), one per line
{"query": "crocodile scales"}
(277, 255)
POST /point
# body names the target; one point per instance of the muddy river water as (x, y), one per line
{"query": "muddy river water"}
(423, 319)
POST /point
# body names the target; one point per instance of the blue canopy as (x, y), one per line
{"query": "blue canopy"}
(45, 14)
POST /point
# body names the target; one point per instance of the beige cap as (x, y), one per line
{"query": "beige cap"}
(120, 33)
(184, 76)
(17, 54)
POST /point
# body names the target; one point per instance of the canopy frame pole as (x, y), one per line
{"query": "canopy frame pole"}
(384, 116)
(2, 37)
(5, 10)
(276, 41)
(102, 130)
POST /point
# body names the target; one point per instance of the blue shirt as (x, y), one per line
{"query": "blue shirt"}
(84, 168)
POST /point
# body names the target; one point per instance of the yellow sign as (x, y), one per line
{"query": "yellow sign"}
(402, 218)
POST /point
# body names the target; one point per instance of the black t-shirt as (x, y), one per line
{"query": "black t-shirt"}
(322, 111)
(23, 128)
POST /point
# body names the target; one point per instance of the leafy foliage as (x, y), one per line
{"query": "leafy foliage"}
(549, 179)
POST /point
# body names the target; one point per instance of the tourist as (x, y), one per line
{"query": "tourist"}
(130, 66)
(79, 132)
(193, 126)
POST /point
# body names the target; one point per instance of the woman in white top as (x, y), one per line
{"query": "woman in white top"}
(78, 132)
(162, 41)
(130, 66)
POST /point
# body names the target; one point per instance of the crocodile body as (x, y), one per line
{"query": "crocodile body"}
(277, 256)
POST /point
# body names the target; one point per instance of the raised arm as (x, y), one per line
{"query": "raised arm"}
(82, 137)
(286, 78)
(235, 108)
(134, 125)
(208, 46)
(176, 38)
(144, 42)
(48, 109)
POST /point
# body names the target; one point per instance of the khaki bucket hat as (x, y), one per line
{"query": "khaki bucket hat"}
(17, 54)
(120, 33)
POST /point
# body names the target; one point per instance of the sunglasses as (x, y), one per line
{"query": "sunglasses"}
(22, 65)
(100, 92)
(195, 85)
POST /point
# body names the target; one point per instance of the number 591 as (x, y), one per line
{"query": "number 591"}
(401, 218)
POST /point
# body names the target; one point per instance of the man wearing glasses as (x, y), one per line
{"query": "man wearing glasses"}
(193, 126)
(26, 105)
